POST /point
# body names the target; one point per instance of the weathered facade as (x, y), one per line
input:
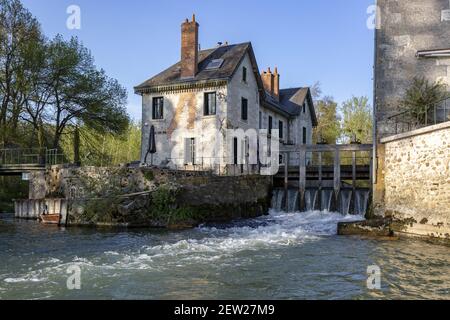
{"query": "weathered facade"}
(413, 40)
(195, 103)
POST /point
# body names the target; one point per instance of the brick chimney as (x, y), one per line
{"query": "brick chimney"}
(276, 84)
(271, 82)
(189, 48)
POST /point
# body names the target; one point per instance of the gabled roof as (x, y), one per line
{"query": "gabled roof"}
(232, 56)
(291, 102)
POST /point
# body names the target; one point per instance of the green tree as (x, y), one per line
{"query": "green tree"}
(20, 38)
(357, 120)
(328, 129)
(81, 94)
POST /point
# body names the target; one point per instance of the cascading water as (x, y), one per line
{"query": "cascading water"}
(325, 203)
(311, 199)
(292, 200)
(345, 200)
(277, 199)
(361, 201)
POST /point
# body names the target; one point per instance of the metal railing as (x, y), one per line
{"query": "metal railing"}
(405, 121)
(212, 165)
(30, 157)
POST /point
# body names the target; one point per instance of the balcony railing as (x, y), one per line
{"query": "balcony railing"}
(405, 121)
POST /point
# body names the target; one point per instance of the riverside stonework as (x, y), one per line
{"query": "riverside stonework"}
(417, 181)
(144, 197)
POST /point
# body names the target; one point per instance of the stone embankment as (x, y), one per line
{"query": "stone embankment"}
(412, 194)
(144, 197)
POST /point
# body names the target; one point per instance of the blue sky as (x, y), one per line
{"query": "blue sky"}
(309, 40)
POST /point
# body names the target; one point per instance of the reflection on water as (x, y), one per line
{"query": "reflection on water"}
(282, 256)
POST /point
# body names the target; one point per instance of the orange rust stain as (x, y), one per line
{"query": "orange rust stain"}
(187, 99)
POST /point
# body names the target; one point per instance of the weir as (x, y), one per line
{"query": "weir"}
(326, 178)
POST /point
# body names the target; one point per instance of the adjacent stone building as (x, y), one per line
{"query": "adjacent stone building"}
(194, 103)
(412, 182)
(413, 40)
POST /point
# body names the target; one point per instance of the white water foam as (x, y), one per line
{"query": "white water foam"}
(276, 230)
(206, 245)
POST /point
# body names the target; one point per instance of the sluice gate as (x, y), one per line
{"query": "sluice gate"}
(324, 177)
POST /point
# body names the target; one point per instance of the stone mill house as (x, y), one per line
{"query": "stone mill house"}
(194, 102)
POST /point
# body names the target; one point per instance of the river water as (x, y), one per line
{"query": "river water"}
(281, 256)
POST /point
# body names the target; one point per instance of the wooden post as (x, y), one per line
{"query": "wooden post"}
(354, 170)
(302, 178)
(286, 179)
(337, 174)
(320, 170)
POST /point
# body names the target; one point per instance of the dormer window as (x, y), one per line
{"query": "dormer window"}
(214, 64)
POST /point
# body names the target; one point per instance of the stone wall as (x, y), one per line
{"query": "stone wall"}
(417, 181)
(142, 197)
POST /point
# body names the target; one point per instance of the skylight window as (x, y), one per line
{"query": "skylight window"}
(214, 64)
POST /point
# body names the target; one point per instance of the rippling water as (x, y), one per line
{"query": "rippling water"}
(281, 256)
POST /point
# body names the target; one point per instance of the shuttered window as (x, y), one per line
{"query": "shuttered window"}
(210, 104)
(270, 125)
(189, 151)
(280, 129)
(158, 108)
(244, 109)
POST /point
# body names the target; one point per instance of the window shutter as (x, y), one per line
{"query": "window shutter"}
(213, 103)
(187, 150)
(206, 105)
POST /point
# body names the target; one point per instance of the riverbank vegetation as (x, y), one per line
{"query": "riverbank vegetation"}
(346, 123)
(51, 87)
(52, 95)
